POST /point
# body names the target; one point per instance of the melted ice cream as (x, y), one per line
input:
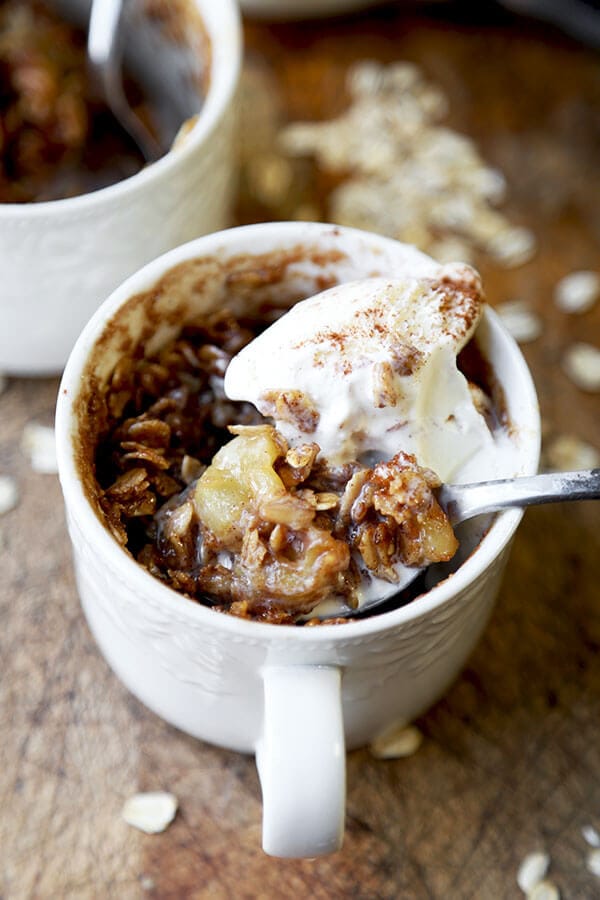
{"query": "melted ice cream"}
(369, 367)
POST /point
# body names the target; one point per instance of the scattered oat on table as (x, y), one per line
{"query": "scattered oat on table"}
(532, 870)
(9, 494)
(405, 174)
(568, 453)
(577, 292)
(581, 364)
(590, 835)
(544, 890)
(271, 176)
(151, 812)
(592, 862)
(38, 443)
(520, 320)
(512, 247)
(402, 741)
(452, 249)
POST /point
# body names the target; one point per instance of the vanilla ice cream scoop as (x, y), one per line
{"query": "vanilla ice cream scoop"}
(367, 368)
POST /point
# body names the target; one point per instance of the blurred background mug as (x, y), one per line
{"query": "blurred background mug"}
(60, 259)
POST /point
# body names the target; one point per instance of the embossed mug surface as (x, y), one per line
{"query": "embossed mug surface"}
(296, 697)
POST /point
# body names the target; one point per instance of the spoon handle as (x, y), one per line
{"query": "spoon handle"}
(463, 501)
(105, 16)
(104, 59)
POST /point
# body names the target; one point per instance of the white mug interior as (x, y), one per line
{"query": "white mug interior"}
(167, 51)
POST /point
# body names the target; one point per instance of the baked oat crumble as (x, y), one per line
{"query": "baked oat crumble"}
(247, 524)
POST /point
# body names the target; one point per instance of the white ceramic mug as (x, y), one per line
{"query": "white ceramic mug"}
(60, 259)
(294, 696)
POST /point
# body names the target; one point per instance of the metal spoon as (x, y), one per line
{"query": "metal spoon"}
(464, 501)
(105, 65)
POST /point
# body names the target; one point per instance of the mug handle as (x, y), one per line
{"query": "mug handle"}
(301, 761)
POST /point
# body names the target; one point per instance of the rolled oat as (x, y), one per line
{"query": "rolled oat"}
(590, 836)
(402, 741)
(544, 890)
(581, 364)
(150, 812)
(513, 246)
(9, 494)
(568, 453)
(520, 320)
(592, 862)
(532, 871)
(577, 292)
(38, 443)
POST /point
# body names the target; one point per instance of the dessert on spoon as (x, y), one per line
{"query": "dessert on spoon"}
(362, 385)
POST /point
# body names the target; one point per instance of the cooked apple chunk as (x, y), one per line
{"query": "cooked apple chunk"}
(240, 477)
(281, 554)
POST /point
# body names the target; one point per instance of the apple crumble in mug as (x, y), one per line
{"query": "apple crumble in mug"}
(260, 528)
(322, 491)
(175, 520)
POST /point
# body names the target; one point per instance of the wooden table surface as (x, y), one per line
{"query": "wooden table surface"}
(510, 761)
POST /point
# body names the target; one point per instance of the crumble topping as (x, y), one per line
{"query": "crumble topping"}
(249, 524)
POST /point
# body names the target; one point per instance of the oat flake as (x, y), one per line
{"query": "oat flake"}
(592, 862)
(520, 320)
(544, 890)
(590, 835)
(513, 247)
(397, 743)
(450, 250)
(577, 292)
(568, 453)
(532, 870)
(9, 494)
(38, 443)
(151, 812)
(582, 365)
(270, 177)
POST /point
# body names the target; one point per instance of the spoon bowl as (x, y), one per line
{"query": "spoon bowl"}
(465, 501)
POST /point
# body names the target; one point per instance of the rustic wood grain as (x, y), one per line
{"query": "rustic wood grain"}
(511, 757)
